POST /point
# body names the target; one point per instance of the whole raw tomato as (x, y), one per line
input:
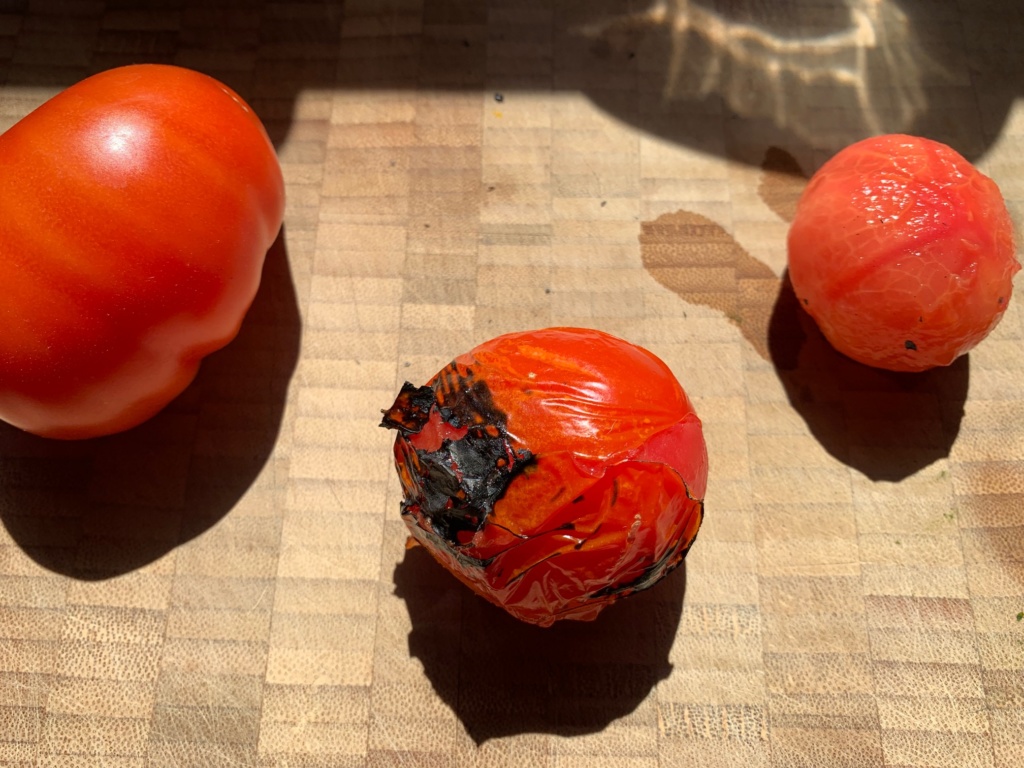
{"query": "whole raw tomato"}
(552, 471)
(136, 209)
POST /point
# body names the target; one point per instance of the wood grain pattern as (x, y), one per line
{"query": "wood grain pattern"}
(229, 585)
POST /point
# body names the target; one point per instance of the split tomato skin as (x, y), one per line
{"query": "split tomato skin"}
(136, 209)
(552, 471)
(902, 252)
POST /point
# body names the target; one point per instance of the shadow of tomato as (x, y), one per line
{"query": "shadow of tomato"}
(503, 677)
(885, 424)
(99, 508)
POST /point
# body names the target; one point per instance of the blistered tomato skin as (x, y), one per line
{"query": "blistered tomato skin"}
(902, 252)
(552, 471)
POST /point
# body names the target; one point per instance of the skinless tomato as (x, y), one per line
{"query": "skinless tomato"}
(902, 252)
(552, 471)
(136, 209)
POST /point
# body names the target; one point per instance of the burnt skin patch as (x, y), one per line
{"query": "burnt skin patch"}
(411, 409)
(451, 490)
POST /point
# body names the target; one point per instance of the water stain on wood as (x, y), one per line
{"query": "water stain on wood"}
(703, 264)
(699, 261)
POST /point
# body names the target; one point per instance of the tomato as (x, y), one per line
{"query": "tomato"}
(902, 252)
(552, 471)
(136, 208)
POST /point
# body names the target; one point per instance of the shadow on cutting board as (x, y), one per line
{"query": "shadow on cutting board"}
(503, 677)
(887, 425)
(96, 509)
(722, 76)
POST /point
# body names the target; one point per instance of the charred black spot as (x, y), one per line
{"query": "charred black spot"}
(456, 486)
(910, 345)
(411, 409)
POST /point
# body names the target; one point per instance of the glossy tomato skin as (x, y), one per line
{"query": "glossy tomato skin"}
(552, 471)
(136, 209)
(902, 252)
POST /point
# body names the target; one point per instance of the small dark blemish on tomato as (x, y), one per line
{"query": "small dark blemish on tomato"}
(1002, 299)
(578, 499)
(908, 344)
(805, 301)
(615, 491)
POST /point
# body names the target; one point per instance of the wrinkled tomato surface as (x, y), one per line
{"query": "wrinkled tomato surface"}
(902, 252)
(552, 471)
(136, 209)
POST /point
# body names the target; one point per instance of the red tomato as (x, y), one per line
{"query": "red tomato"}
(136, 209)
(552, 471)
(902, 252)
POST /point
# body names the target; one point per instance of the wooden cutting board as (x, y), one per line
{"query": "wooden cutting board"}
(228, 585)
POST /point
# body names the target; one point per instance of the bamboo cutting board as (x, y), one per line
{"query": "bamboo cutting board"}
(228, 585)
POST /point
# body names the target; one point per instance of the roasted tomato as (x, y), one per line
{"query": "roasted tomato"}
(552, 471)
(136, 209)
(902, 252)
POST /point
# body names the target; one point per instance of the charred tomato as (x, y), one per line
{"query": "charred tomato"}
(552, 471)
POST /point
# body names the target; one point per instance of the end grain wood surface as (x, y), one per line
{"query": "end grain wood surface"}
(228, 585)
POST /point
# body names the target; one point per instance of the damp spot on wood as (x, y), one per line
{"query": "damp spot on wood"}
(699, 261)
